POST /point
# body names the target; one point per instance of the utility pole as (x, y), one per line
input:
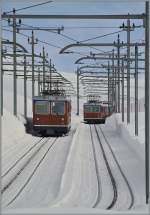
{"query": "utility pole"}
(113, 80)
(43, 68)
(116, 104)
(2, 76)
(33, 42)
(77, 91)
(136, 90)
(50, 64)
(32, 64)
(39, 81)
(108, 84)
(122, 89)
(25, 88)
(128, 71)
(14, 25)
(118, 63)
(128, 28)
(14, 63)
(147, 100)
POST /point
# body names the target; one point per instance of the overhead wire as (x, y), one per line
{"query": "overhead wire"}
(74, 40)
(68, 37)
(44, 42)
(101, 36)
(55, 46)
(88, 27)
(28, 7)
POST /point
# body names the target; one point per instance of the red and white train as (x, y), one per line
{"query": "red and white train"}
(96, 112)
(51, 114)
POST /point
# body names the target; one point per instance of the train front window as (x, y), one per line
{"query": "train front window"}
(42, 107)
(91, 108)
(95, 109)
(58, 108)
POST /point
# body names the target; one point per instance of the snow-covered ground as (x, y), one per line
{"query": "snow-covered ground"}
(70, 172)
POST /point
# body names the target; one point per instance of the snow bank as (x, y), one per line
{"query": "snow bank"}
(131, 126)
(130, 154)
(126, 132)
(67, 177)
(12, 128)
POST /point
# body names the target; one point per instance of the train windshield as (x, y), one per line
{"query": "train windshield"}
(42, 107)
(92, 108)
(58, 108)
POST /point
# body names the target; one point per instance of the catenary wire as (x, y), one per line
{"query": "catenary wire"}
(28, 7)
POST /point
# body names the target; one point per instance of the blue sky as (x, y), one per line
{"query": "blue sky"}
(66, 62)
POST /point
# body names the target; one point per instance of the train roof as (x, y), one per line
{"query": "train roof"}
(50, 98)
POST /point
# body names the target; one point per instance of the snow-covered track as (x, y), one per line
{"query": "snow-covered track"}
(17, 168)
(120, 169)
(33, 171)
(97, 172)
(21, 157)
(113, 182)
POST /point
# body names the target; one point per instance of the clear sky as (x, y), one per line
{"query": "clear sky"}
(76, 29)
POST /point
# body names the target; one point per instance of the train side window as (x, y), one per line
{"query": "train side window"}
(42, 107)
(58, 108)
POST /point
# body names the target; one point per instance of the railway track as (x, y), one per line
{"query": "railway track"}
(21, 157)
(113, 181)
(97, 172)
(32, 173)
(120, 169)
(19, 169)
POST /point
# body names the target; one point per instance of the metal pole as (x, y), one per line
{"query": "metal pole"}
(108, 85)
(14, 63)
(76, 16)
(136, 90)
(122, 90)
(147, 105)
(25, 88)
(116, 90)
(32, 42)
(113, 79)
(128, 71)
(39, 81)
(50, 76)
(118, 63)
(77, 92)
(43, 69)
(2, 74)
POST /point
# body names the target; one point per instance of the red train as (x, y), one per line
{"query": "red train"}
(51, 114)
(96, 112)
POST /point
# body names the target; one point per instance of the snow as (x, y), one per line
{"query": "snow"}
(67, 179)
(131, 126)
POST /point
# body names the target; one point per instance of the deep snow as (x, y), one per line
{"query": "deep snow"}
(67, 177)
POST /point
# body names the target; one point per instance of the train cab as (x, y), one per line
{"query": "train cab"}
(51, 114)
(94, 112)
